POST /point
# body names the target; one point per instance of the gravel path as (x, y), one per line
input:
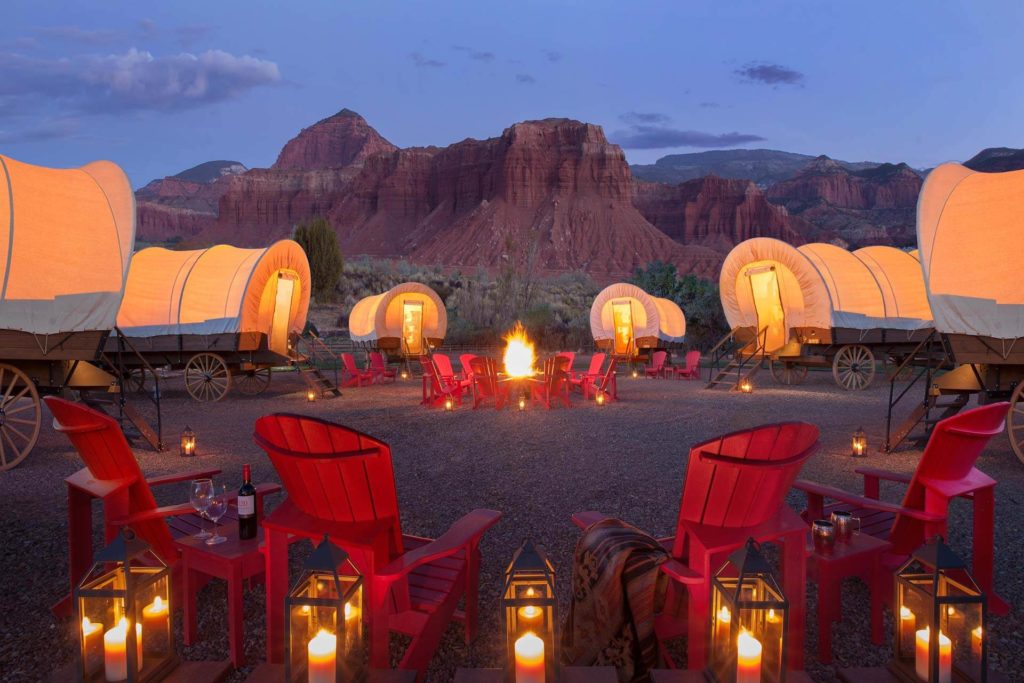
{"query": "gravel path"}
(538, 467)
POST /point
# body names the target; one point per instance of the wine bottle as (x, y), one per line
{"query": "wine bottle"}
(247, 506)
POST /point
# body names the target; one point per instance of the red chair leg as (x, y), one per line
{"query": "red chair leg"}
(276, 550)
(236, 619)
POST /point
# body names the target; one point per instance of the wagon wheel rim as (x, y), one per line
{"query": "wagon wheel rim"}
(253, 382)
(21, 415)
(785, 372)
(135, 380)
(207, 377)
(854, 367)
(1015, 422)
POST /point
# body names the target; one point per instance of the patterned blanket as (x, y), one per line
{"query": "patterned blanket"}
(616, 584)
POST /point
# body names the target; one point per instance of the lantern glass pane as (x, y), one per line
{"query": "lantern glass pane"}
(961, 619)
(915, 605)
(325, 628)
(757, 608)
(529, 606)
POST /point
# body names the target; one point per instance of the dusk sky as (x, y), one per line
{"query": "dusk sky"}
(160, 87)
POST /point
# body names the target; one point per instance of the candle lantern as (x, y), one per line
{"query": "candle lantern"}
(636, 373)
(529, 614)
(859, 444)
(746, 386)
(599, 398)
(123, 610)
(940, 635)
(311, 396)
(404, 374)
(188, 442)
(522, 402)
(323, 620)
(449, 404)
(749, 616)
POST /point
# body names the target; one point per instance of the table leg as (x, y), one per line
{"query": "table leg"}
(877, 589)
(236, 623)
(79, 534)
(698, 608)
(984, 531)
(188, 600)
(794, 576)
(829, 599)
(276, 550)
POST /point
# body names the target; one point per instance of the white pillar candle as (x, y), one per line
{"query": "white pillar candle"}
(529, 651)
(115, 651)
(92, 645)
(748, 658)
(945, 656)
(322, 649)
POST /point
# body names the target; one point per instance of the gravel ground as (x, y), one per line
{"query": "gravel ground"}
(626, 459)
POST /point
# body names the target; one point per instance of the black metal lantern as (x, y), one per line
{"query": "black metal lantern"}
(529, 612)
(749, 619)
(940, 636)
(859, 443)
(188, 442)
(123, 614)
(323, 619)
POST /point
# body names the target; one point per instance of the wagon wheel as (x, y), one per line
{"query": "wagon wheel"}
(135, 380)
(253, 381)
(787, 372)
(20, 416)
(207, 377)
(1015, 421)
(854, 367)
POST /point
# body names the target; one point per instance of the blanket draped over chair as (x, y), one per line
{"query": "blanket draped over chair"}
(615, 587)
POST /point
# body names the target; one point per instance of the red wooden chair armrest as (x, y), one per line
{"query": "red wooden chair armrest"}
(156, 513)
(680, 573)
(585, 519)
(463, 532)
(821, 491)
(181, 476)
(886, 475)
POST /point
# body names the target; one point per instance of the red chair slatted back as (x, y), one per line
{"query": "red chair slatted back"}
(377, 360)
(741, 479)
(485, 375)
(692, 360)
(949, 456)
(609, 375)
(331, 472)
(444, 365)
(658, 360)
(467, 368)
(595, 364)
(571, 355)
(350, 364)
(107, 455)
(430, 370)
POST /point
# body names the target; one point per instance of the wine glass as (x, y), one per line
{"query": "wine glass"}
(200, 495)
(216, 509)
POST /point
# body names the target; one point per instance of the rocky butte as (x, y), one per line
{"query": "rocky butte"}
(546, 196)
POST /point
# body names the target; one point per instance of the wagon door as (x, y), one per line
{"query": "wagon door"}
(412, 326)
(622, 319)
(764, 286)
(282, 314)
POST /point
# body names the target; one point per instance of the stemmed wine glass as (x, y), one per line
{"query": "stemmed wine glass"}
(200, 495)
(216, 509)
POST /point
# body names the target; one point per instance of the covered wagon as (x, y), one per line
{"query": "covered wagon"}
(625, 321)
(64, 250)
(970, 231)
(821, 305)
(224, 314)
(406, 320)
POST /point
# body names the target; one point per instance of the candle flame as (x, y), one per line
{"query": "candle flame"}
(747, 644)
(724, 615)
(519, 354)
(905, 613)
(323, 643)
(158, 603)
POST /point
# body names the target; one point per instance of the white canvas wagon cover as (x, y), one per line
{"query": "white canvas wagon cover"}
(381, 316)
(65, 239)
(652, 317)
(219, 290)
(970, 231)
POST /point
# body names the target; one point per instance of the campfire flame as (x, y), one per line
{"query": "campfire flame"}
(519, 355)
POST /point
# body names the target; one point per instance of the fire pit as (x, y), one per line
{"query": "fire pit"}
(519, 360)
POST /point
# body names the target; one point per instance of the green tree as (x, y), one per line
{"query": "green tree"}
(699, 299)
(326, 264)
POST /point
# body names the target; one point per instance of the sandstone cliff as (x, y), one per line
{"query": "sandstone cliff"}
(335, 142)
(182, 206)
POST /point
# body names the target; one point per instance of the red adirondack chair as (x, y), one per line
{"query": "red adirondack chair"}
(354, 376)
(412, 585)
(112, 475)
(571, 355)
(467, 369)
(379, 368)
(946, 470)
(439, 389)
(691, 369)
(554, 383)
(485, 382)
(593, 373)
(735, 488)
(657, 366)
(606, 383)
(447, 372)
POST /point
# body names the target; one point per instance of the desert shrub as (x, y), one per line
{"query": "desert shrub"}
(699, 299)
(320, 242)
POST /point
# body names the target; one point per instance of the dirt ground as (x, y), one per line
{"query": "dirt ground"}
(538, 467)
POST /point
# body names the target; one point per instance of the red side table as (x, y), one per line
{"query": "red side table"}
(861, 556)
(233, 561)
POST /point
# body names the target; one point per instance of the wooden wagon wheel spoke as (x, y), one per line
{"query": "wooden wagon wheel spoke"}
(207, 377)
(254, 381)
(17, 434)
(853, 367)
(1015, 421)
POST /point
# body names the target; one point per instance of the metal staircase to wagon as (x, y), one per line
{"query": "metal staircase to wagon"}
(743, 353)
(317, 364)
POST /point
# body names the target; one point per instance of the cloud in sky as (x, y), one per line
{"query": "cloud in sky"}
(77, 34)
(423, 62)
(553, 56)
(636, 117)
(134, 80)
(769, 74)
(478, 55)
(525, 79)
(661, 137)
(709, 105)
(47, 130)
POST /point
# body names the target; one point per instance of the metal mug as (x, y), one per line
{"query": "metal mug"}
(824, 534)
(844, 523)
